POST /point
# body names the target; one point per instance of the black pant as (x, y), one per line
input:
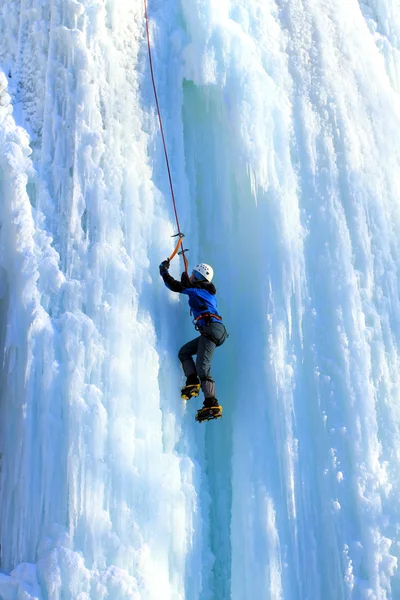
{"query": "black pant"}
(203, 346)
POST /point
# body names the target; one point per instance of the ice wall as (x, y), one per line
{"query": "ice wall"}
(282, 124)
(94, 492)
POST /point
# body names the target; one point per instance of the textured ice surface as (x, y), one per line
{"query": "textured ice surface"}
(282, 122)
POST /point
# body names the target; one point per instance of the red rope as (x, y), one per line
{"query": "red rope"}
(163, 139)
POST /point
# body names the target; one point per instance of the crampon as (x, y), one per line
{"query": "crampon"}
(208, 413)
(190, 391)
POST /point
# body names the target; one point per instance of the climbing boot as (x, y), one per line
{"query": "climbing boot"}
(190, 391)
(210, 410)
(192, 387)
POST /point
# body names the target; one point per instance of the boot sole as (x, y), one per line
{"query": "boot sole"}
(209, 414)
(185, 397)
(192, 394)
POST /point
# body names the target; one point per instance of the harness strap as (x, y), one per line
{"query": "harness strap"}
(205, 315)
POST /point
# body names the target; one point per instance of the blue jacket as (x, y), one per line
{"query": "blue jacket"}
(202, 295)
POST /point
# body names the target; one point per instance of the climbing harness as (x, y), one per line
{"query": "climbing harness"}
(206, 316)
(209, 335)
(180, 235)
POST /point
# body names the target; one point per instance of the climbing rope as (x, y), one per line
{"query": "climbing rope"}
(180, 235)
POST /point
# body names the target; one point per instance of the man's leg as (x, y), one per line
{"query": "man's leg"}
(185, 356)
(205, 352)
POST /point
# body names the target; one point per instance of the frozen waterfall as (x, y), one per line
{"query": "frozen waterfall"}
(282, 121)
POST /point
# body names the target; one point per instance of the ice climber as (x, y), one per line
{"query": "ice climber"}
(203, 304)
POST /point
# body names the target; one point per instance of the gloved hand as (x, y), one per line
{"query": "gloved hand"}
(164, 266)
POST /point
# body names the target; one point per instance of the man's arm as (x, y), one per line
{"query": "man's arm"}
(171, 283)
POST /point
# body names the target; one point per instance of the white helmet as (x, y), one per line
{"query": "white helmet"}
(205, 270)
